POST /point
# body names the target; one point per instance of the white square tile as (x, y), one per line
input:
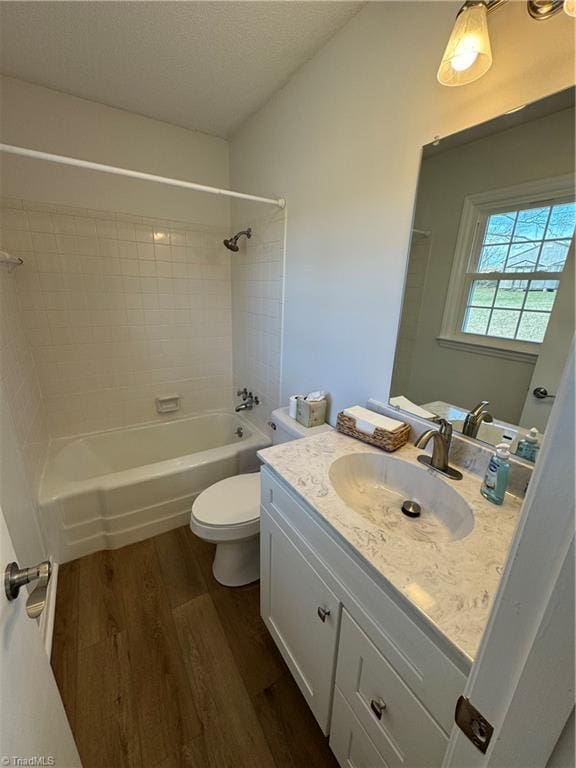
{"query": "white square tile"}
(43, 242)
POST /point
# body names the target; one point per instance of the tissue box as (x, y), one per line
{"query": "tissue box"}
(311, 414)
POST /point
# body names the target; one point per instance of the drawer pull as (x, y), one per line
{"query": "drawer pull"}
(323, 613)
(378, 706)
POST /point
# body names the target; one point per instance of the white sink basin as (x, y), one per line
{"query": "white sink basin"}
(375, 487)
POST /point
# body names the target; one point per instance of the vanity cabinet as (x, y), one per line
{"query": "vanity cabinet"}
(381, 684)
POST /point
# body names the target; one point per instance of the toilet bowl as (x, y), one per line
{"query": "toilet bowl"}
(228, 513)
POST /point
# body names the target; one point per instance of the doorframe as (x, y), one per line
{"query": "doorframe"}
(522, 680)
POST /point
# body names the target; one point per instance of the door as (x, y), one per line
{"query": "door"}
(553, 353)
(522, 680)
(302, 615)
(33, 723)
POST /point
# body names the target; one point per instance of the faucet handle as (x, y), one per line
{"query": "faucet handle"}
(477, 410)
(243, 393)
(445, 429)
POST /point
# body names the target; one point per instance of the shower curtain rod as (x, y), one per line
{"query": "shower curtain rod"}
(64, 160)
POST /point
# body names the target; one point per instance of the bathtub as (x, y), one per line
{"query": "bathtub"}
(109, 489)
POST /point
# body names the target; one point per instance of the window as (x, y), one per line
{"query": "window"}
(508, 266)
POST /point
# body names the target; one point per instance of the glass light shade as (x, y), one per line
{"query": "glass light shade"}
(570, 7)
(468, 55)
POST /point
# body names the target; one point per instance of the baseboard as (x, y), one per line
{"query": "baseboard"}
(46, 622)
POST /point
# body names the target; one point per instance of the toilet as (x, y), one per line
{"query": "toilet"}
(228, 513)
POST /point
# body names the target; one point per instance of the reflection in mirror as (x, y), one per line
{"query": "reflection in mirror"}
(488, 312)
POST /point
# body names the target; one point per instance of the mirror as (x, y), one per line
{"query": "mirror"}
(488, 311)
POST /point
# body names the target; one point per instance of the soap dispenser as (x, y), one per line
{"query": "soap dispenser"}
(528, 447)
(496, 478)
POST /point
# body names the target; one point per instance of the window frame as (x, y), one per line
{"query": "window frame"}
(475, 212)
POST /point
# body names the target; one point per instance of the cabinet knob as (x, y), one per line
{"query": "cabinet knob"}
(378, 706)
(323, 613)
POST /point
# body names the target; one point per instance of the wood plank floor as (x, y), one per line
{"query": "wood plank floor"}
(159, 666)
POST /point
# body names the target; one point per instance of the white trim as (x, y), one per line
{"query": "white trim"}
(283, 307)
(46, 621)
(475, 208)
(78, 163)
(550, 709)
(483, 345)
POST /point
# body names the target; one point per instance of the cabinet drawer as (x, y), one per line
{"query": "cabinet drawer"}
(349, 741)
(402, 730)
(302, 615)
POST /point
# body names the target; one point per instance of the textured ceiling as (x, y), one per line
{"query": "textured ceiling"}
(202, 65)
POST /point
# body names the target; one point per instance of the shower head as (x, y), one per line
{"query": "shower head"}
(232, 242)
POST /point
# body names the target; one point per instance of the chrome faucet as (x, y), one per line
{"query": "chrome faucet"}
(248, 400)
(442, 438)
(475, 417)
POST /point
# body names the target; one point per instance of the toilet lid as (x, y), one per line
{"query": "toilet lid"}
(229, 502)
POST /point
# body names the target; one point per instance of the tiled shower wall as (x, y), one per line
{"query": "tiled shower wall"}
(257, 285)
(23, 433)
(120, 309)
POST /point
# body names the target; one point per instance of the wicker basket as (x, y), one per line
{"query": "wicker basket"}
(388, 441)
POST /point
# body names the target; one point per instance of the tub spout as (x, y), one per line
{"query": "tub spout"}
(249, 401)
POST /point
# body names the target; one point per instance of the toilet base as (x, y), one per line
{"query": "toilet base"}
(237, 563)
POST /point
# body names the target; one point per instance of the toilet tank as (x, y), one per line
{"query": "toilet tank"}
(287, 429)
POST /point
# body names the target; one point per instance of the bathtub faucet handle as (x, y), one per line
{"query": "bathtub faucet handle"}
(243, 393)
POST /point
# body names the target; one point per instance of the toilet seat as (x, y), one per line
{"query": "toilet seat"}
(229, 509)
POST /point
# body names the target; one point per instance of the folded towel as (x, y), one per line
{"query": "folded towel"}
(407, 405)
(368, 421)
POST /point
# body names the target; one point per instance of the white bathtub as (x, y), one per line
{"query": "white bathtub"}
(109, 489)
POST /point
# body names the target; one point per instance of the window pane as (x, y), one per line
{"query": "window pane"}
(553, 256)
(482, 293)
(511, 306)
(531, 224)
(492, 258)
(511, 294)
(499, 228)
(562, 221)
(503, 323)
(476, 320)
(522, 258)
(541, 295)
(532, 326)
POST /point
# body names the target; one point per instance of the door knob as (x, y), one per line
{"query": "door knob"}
(542, 393)
(16, 577)
(323, 613)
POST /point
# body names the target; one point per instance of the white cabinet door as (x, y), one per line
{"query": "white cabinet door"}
(302, 615)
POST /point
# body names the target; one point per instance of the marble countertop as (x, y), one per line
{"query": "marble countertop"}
(451, 583)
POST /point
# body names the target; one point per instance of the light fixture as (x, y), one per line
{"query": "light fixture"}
(468, 55)
(543, 9)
